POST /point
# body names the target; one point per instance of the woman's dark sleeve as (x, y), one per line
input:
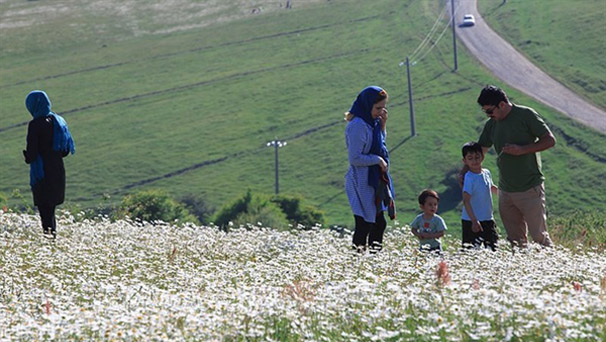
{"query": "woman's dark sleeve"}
(31, 151)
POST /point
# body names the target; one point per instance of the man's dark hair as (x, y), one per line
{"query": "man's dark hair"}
(472, 147)
(427, 193)
(492, 96)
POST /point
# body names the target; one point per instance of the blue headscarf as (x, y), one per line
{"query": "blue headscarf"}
(39, 106)
(362, 108)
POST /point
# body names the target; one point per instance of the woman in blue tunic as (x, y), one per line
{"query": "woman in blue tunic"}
(368, 183)
(48, 141)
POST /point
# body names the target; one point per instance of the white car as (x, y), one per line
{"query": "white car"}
(468, 20)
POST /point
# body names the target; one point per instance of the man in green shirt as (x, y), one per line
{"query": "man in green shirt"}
(518, 134)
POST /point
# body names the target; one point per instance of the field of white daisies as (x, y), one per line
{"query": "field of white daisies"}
(125, 281)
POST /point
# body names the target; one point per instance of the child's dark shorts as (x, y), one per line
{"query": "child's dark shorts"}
(489, 236)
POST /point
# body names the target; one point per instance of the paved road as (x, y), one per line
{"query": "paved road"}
(513, 68)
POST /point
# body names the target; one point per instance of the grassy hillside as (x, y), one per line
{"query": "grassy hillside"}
(566, 39)
(191, 110)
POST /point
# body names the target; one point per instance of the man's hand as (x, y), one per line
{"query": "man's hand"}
(544, 142)
(514, 150)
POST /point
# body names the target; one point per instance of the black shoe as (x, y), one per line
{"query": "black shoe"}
(49, 233)
(376, 247)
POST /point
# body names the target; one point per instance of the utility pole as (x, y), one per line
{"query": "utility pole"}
(454, 37)
(413, 131)
(276, 144)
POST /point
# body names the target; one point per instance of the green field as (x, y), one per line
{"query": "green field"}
(188, 105)
(565, 38)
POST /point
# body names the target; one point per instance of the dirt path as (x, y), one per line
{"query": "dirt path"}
(505, 62)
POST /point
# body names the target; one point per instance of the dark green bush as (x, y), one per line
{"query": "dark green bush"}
(271, 211)
(296, 212)
(251, 209)
(231, 210)
(152, 205)
(261, 210)
(197, 207)
(24, 205)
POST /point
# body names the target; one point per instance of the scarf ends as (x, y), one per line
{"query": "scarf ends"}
(384, 196)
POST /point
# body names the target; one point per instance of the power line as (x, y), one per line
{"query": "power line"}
(431, 32)
(434, 43)
(439, 37)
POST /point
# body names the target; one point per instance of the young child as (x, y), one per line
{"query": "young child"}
(477, 219)
(428, 226)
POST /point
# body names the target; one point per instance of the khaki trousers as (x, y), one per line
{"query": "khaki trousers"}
(522, 213)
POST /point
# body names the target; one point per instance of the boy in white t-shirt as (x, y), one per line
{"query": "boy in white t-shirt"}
(478, 222)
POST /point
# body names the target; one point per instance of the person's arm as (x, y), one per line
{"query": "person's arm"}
(461, 175)
(440, 229)
(31, 150)
(494, 189)
(475, 224)
(415, 229)
(357, 137)
(545, 141)
(435, 235)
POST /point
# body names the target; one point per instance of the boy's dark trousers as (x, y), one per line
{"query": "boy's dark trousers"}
(371, 232)
(488, 236)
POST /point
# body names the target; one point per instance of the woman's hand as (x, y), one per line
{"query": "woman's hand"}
(382, 164)
(383, 118)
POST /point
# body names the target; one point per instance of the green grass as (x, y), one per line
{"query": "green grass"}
(583, 228)
(565, 38)
(190, 111)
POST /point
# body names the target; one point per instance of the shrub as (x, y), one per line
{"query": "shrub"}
(24, 205)
(262, 210)
(251, 209)
(197, 207)
(231, 210)
(153, 205)
(296, 213)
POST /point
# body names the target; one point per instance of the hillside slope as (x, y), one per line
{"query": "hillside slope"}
(191, 111)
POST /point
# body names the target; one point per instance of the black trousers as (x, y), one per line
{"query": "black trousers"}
(47, 215)
(488, 236)
(369, 233)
